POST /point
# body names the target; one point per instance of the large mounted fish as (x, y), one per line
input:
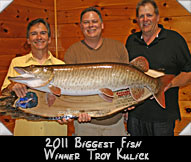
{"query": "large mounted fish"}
(84, 81)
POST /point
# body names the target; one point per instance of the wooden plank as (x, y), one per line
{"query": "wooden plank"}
(11, 46)
(185, 111)
(24, 14)
(5, 61)
(2, 77)
(49, 4)
(168, 8)
(184, 93)
(8, 122)
(63, 4)
(180, 125)
(180, 23)
(114, 10)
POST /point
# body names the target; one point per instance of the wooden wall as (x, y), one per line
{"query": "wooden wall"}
(118, 15)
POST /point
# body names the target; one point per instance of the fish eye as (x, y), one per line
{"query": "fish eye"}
(36, 70)
(45, 69)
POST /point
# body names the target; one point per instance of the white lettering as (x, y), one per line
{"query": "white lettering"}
(129, 144)
(92, 144)
(137, 156)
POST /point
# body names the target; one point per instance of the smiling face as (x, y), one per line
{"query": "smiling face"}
(91, 25)
(38, 37)
(147, 19)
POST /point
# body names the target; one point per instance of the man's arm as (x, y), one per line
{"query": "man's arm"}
(18, 88)
(183, 79)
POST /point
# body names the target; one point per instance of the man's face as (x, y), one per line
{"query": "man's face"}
(147, 19)
(38, 37)
(91, 25)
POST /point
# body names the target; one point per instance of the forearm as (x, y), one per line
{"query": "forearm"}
(8, 88)
(183, 79)
(18, 88)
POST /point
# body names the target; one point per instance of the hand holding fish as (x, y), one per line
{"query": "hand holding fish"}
(84, 117)
(64, 121)
(19, 88)
(125, 112)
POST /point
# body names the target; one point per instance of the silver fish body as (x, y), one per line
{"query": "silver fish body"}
(85, 79)
(89, 79)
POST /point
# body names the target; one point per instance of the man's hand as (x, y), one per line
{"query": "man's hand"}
(19, 89)
(125, 113)
(84, 117)
(64, 121)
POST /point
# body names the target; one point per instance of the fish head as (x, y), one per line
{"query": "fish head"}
(33, 76)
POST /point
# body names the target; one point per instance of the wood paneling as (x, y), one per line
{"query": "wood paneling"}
(119, 21)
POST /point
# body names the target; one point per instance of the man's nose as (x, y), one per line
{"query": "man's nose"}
(90, 24)
(145, 18)
(39, 36)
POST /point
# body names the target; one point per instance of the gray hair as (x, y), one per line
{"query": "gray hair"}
(143, 2)
(36, 21)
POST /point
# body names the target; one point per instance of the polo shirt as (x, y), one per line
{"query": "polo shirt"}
(169, 53)
(34, 128)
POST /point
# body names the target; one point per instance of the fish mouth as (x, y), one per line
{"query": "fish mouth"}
(21, 70)
(28, 79)
(25, 75)
(22, 77)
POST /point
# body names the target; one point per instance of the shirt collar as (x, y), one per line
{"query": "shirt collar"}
(83, 41)
(162, 34)
(30, 57)
(157, 36)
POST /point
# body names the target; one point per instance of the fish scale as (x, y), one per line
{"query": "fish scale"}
(88, 79)
(92, 78)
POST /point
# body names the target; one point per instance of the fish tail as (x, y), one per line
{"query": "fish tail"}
(164, 81)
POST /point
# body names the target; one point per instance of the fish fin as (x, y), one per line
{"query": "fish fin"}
(164, 81)
(55, 90)
(50, 99)
(106, 98)
(140, 63)
(137, 92)
(107, 92)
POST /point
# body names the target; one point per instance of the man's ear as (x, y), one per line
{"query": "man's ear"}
(158, 18)
(81, 26)
(102, 26)
(28, 41)
(49, 40)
